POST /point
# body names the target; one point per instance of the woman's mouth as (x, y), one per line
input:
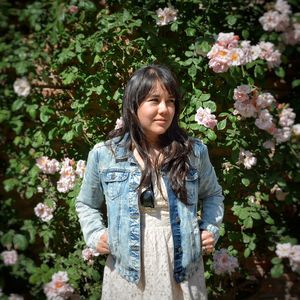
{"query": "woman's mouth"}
(162, 121)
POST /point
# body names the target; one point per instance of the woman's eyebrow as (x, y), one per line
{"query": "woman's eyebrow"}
(158, 95)
(154, 95)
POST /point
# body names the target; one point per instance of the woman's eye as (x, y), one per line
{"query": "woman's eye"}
(172, 100)
(153, 99)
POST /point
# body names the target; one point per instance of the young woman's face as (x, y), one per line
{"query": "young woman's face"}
(156, 112)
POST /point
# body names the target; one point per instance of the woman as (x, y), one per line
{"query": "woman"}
(152, 177)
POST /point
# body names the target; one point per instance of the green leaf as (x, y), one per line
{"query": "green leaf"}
(68, 136)
(70, 75)
(31, 109)
(38, 139)
(277, 270)
(258, 71)
(29, 265)
(246, 238)
(189, 54)
(250, 81)
(222, 124)
(34, 278)
(194, 126)
(117, 95)
(203, 48)
(269, 220)
(248, 222)
(52, 133)
(17, 104)
(174, 27)
(73, 273)
(187, 62)
(45, 113)
(16, 124)
(4, 115)
(276, 260)
(87, 5)
(204, 97)
(252, 246)
(255, 215)
(190, 32)
(64, 121)
(78, 128)
(95, 275)
(247, 252)
(29, 192)
(65, 55)
(20, 242)
(280, 72)
(97, 59)
(192, 71)
(231, 19)
(244, 213)
(97, 89)
(47, 235)
(7, 238)
(44, 268)
(295, 83)
(211, 135)
(245, 181)
(21, 67)
(245, 34)
(30, 228)
(10, 184)
(211, 105)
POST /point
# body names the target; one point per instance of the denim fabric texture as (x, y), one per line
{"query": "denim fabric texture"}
(112, 177)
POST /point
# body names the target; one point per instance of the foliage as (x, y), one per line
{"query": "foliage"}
(77, 56)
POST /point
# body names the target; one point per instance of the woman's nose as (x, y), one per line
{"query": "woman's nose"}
(162, 108)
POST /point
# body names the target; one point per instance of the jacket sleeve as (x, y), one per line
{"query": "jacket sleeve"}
(210, 195)
(89, 202)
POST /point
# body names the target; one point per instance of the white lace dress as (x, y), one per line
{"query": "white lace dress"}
(157, 282)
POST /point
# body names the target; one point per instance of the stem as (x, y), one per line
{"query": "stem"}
(243, 71)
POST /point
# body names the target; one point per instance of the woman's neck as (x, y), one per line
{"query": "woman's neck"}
(154, 153)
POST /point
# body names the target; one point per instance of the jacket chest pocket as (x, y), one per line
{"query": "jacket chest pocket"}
(192, 186)
(115, 183)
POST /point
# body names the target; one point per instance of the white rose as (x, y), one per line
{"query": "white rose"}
(296, 129)
(22, 87)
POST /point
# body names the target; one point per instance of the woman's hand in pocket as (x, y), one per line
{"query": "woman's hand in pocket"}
(102, 245)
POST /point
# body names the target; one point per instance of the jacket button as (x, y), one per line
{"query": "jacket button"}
(179, 250)
(177, 220)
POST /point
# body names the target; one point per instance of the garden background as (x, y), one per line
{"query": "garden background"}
(62, 74)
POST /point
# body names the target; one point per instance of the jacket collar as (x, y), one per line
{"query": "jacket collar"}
(119, 146)
(122, 153)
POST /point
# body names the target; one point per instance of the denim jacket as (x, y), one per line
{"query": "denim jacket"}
(113, 177)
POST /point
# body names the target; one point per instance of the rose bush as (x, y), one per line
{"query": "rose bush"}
(63, 69)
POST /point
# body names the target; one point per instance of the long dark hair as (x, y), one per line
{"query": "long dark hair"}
(174, 143)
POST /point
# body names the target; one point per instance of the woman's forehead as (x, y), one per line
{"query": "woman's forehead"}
(158, 88)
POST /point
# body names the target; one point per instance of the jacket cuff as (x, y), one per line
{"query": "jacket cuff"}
(95, 238)
(211, 228)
